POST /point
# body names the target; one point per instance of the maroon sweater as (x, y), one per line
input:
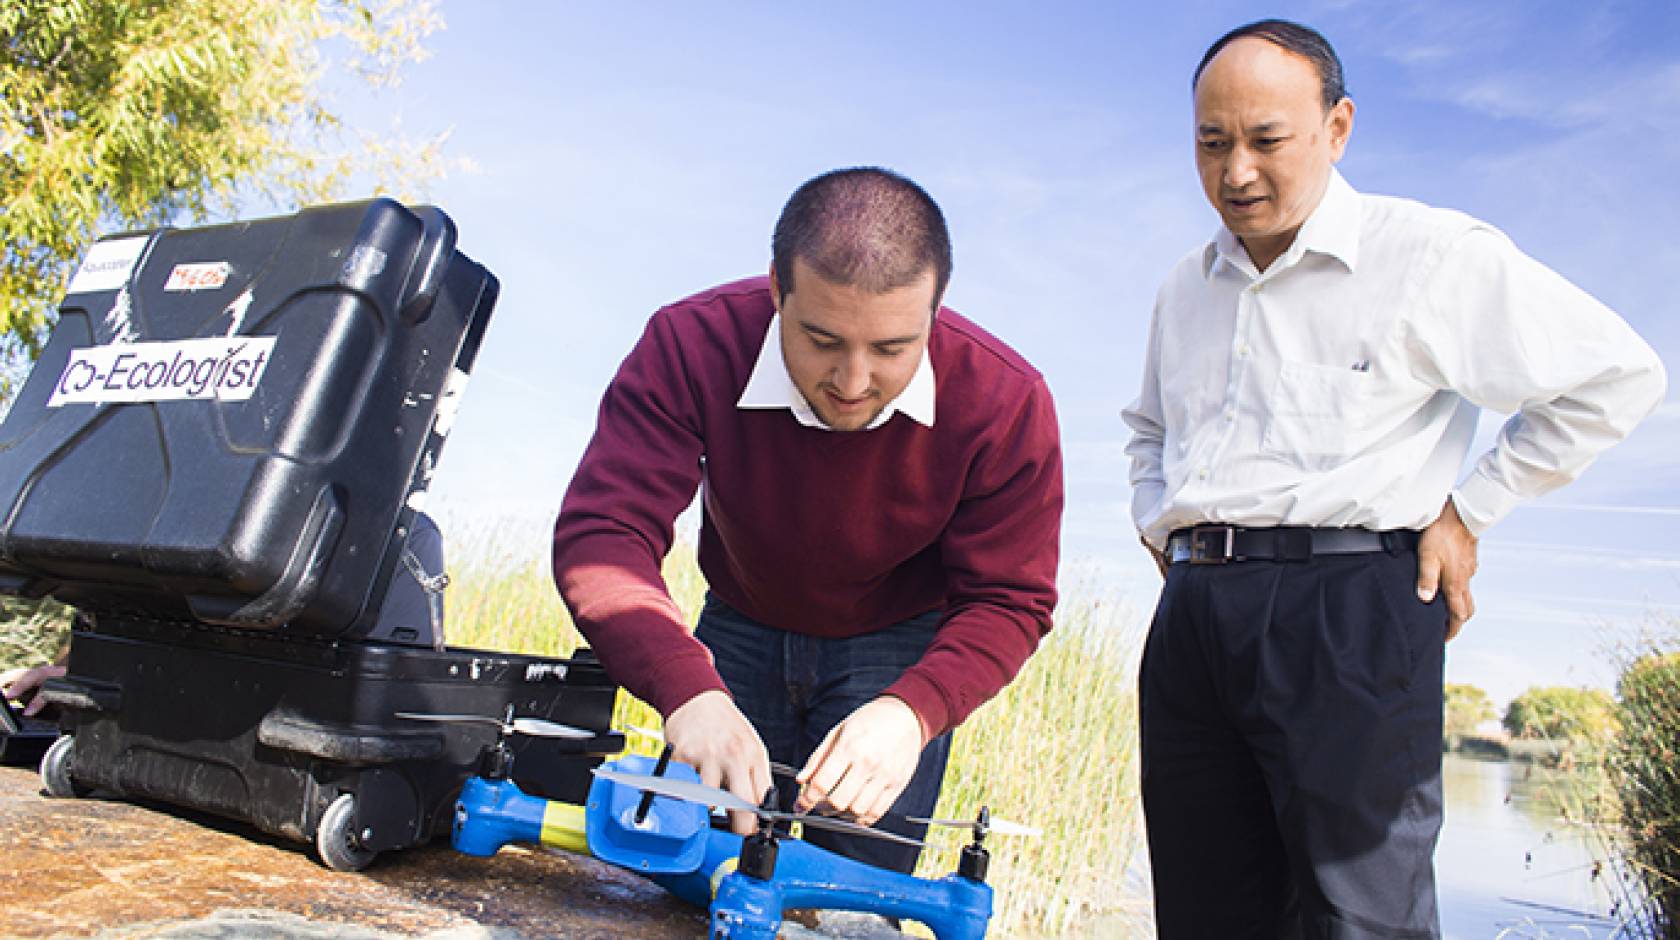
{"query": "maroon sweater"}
(812, 531)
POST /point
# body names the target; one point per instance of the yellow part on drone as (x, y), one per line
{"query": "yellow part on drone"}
(562, 827)
(722, 872)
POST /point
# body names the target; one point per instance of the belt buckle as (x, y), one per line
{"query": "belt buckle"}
(1212, 545)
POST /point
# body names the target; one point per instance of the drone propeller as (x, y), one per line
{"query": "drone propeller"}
(776, 769)
(534, 727)
(723, 799)
(982, 825)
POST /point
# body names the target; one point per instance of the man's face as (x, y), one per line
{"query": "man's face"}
(1264, 143)
(849, 351)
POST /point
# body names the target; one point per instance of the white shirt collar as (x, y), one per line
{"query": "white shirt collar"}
(770, 386)
(1332, 230)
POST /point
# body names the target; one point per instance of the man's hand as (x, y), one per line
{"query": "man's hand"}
(865, 762)
(21, 684)
(1446, 561)
(711, 735)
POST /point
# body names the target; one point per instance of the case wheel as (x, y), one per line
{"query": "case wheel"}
(336, 840)
(56, 766)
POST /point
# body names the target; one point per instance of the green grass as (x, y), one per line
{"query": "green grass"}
(32, 632)
(1057, 749)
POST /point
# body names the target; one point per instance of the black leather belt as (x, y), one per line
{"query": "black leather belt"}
(1220, 544)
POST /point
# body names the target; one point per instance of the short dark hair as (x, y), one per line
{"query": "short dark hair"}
(864, 227)
(1304, 41)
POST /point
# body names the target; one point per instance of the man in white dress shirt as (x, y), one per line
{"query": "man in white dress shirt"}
(1311, 390)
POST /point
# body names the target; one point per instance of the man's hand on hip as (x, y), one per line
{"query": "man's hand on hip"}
(711, 735)
(865, 762)
(1446, 562)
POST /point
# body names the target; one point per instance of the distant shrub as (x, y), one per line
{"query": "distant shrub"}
(1562, 714)
(1467, 706)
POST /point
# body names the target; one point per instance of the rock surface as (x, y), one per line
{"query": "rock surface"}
(107, 869)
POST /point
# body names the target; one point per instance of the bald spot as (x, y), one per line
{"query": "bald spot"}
(866, 235)
(1259, 85)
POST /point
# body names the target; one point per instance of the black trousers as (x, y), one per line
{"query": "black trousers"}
(1291, 733)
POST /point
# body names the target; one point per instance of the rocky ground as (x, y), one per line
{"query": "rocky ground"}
(108, 869)
(103, 868)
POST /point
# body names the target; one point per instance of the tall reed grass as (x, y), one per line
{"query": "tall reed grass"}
(1645, 759)
(1057, 749)
(1623, 782)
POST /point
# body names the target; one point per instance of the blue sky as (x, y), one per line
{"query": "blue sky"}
(626, 155)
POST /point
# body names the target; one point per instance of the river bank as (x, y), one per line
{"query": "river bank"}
(1508, 865)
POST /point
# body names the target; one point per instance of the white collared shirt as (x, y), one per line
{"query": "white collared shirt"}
(771, 386)
(1340, 387)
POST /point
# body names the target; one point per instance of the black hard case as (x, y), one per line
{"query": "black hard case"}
(272, 730)
(229, 558)
(285, 511)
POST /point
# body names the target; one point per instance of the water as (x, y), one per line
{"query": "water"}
(1507, 866)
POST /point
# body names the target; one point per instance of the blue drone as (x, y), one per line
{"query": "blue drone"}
(747, 883)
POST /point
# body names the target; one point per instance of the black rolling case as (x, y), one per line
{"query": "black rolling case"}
(218, 458)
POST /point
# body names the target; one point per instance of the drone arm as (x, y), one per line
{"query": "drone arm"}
(491, 814)
(809, 876)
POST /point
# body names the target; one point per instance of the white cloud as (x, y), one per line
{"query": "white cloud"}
(1561, 98)
(1604, 507)
(1573, 554)
(1423, 55)
(1591, 606)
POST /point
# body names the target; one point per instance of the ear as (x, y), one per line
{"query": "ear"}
(775, 289)
(1339, 123)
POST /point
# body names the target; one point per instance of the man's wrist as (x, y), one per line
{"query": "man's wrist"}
(924, 700)
(668, 705)
(1480, 502)
(921, 723)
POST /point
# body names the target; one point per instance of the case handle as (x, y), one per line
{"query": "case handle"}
(431, 264)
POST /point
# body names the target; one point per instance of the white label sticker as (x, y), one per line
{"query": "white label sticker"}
(198, 275)
(450, 403)
(365, 263)
(221, 369)
(108, 265)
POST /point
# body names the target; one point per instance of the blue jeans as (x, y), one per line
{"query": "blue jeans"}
(794, 688)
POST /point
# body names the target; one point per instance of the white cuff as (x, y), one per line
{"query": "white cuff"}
(1482, 501)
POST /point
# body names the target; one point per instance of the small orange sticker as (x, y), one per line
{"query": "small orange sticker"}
(198, 275)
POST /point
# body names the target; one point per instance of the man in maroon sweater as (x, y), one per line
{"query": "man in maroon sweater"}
(882, 491)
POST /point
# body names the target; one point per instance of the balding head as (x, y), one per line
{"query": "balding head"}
(1304, 41)
(865, 227)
